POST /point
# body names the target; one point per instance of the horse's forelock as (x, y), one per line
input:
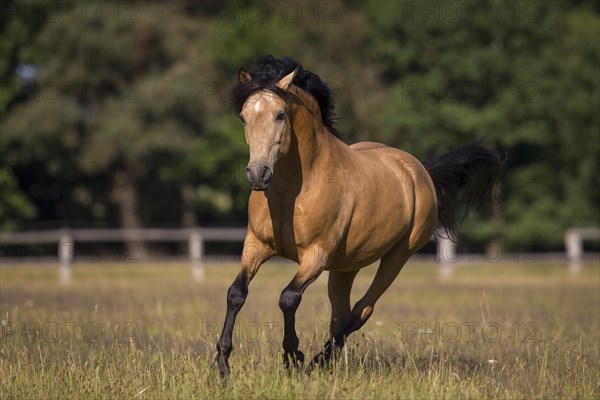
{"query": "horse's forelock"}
(270, 70)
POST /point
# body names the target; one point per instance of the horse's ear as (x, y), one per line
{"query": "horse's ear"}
(285, 82)
(243, 76)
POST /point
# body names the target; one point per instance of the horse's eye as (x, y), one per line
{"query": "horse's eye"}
(242, 119)
(280, 116)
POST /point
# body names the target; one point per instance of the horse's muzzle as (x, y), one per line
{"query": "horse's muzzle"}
(259, 176)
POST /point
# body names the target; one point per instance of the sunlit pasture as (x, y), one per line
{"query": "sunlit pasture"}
(149, 331)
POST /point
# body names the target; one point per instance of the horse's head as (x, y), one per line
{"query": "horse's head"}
(267, 129)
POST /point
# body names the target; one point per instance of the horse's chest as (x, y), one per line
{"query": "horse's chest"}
(293, 230)
(288, 234)
(289, 224)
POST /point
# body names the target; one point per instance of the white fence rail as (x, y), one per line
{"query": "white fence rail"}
(66, 239)
(446, 251)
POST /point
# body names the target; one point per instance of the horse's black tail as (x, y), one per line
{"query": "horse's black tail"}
(466, 175)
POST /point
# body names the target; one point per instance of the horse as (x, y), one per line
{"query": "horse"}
(333, 207)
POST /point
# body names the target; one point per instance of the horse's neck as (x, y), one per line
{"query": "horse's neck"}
(312, 150)
(311, 147)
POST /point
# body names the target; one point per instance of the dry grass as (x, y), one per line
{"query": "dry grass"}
(121, 331)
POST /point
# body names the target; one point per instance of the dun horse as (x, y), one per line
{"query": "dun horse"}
(333, 207)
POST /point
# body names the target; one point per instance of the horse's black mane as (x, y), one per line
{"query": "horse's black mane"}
(270, 70)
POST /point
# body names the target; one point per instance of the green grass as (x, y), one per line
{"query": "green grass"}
(149, 331)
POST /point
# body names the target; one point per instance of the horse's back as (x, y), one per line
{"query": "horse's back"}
(360, 146)
(384, 153)
(401, 162)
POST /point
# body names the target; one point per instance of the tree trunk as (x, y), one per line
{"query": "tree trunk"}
(127, 197)
(188, 196)
(495, 247)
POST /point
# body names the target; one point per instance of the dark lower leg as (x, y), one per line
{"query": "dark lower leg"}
(236, 296)
(357, 318)
(388, 270)
(289, 302)
(338, 288)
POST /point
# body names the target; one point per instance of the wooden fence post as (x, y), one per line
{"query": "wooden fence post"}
(446, 255)
(196, 253)
(65, 256)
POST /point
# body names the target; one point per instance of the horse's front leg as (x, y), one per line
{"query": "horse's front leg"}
(255, 253)
(309, 270)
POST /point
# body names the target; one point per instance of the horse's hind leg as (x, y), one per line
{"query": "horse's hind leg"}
(339, 287)
(389, 268)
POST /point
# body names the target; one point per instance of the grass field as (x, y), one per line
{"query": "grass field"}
(149, 331)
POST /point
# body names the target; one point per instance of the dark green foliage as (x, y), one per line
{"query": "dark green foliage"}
(142, 93)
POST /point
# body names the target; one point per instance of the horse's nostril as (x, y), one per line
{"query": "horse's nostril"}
(264, 172)
(249, 174)
(267, 177)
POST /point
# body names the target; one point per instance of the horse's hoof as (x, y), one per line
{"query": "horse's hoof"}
(310, 367)
(319, 361)
(223, 369)
(293, 359)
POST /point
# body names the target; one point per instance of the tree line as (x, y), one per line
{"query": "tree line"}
(117, 113)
